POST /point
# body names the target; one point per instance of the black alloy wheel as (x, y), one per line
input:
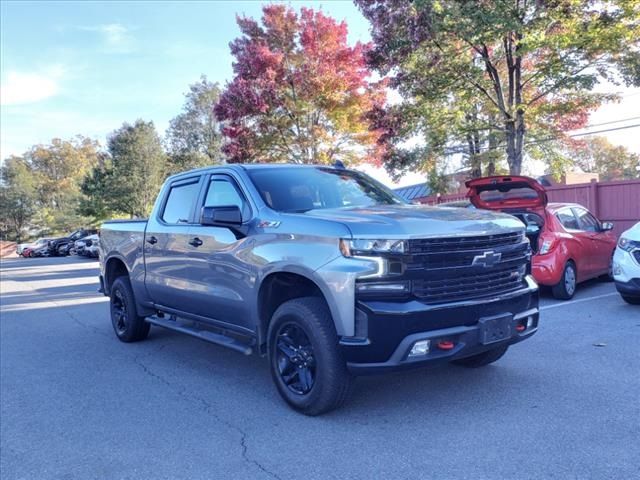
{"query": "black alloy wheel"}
(119, 313)
(295, 359)
(127, 324)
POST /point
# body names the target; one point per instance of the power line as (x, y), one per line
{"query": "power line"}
(606, 123)
(462, 148)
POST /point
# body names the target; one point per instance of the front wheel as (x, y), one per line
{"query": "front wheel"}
(62, 251)
(128, 325)
(482, 359)
(306, 365)
(566, 287)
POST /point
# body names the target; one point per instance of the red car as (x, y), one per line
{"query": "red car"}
(569, 244)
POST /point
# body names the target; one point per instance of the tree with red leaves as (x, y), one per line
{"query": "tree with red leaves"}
(300, 93)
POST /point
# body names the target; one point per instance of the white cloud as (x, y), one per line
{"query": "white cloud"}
(29, 87)
(116, 37)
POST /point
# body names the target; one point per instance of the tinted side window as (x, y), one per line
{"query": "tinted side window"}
(180, 202)
(568, 219)
(587, 222)
(222, 193)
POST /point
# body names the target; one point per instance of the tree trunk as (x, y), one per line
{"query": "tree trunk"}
(475, 161)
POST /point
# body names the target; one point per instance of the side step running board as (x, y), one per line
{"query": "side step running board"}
(205, 335)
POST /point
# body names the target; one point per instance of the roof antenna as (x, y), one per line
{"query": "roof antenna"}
(338, 164)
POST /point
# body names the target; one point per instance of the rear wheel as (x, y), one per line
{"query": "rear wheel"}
(566, 287)
(306, 364)
(631, 300)
(482, 359)
(127, 324)
(62, 250)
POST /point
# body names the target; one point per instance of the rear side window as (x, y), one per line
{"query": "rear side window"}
(179, 203)
(568, 219)
(586, 221)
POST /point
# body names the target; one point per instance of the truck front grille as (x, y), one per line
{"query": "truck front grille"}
(443, 269)
(458, 244)
(469, 287)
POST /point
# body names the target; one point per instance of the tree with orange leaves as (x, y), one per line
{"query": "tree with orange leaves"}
(300, 93)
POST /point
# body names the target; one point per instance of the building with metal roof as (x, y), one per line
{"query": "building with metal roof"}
(413, 192)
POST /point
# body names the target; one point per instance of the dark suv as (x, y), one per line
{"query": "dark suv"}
(62, 245)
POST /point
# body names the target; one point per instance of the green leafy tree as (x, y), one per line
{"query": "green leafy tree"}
(300, 93)
(17, 197)
(598, 155)
(505, 70)
(138, 164)
(194, 138)
(98, 189)
(56, 171)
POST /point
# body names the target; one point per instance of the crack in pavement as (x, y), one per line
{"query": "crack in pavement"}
(207, 407)
(180, 390)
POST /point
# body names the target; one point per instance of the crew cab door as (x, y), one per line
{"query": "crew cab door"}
(222, 283)
(166, 244)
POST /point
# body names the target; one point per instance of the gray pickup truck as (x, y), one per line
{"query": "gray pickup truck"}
(323, 270)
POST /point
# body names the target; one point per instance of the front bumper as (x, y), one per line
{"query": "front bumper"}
(388, 330)
(630, 288)
(625, 267)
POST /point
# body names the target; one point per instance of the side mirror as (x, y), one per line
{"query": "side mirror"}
(606, 226)
(223, 216)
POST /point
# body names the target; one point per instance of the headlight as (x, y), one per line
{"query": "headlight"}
(350, 248)
(626, 244)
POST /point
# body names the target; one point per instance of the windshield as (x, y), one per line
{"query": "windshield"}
(297, 189)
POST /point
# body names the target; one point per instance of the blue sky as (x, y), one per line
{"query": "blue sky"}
(76, 67)
(85, 67)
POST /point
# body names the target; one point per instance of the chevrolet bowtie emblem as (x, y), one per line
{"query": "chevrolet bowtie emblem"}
(487, 259)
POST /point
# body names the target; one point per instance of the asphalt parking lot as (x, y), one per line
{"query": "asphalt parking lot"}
(78, 404)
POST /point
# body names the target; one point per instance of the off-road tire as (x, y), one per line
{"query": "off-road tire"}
(482, 359)
(332, 382)
(562, 290)
(133, 328)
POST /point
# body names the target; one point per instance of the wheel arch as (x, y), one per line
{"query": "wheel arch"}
(114, 267)
(278, 287)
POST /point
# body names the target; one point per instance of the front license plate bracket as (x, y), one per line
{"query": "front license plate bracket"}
(495, 329)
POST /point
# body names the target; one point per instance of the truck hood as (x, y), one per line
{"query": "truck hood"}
(417, 221)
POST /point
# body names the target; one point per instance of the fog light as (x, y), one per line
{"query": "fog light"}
(529, 321)
(617, 269)
(421, 347)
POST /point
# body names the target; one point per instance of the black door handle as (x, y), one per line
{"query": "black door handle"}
(152, 240)
(196, 242)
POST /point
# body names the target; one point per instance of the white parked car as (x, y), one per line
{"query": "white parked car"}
(87, 246)
(626, 265)
(38, 244)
